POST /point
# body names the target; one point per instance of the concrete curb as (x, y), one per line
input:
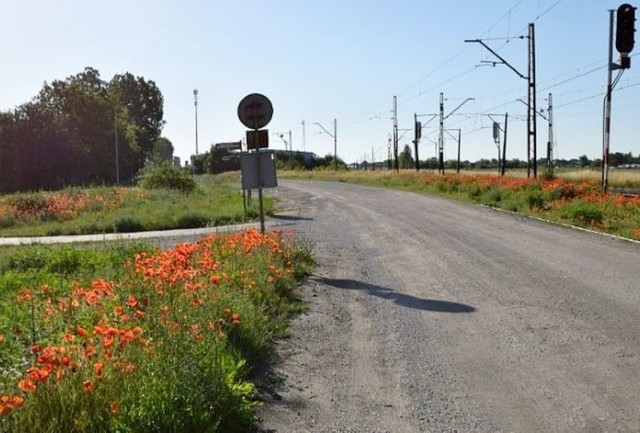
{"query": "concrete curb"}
(124, 236)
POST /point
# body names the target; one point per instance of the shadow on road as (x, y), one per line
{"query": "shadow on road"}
(291, 218)
(399, 298)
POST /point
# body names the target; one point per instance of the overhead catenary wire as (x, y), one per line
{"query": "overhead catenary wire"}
(557, 81)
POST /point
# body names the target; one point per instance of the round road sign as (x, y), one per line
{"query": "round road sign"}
(255, 111)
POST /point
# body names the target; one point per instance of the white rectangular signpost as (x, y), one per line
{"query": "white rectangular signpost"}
(259, 168)
(250, 170)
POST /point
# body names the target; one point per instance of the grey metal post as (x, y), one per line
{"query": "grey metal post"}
(441, 137)
(115, 123)
(395, 133)
(459, 138)
(504, 144)
(195, 103)
(607, 111)
(550, 143)
(416, 140)
(335, 144)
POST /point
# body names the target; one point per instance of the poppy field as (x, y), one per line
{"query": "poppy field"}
(130, 338)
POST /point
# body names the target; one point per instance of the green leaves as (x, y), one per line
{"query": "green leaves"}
(67, 134)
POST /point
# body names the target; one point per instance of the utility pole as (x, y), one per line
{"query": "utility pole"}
(550, 142)
(504, 145)
(416, 138)
(389, 153)
(290, 149)
(195, 103)
(531, 92)
(335, 144)
(304, 138)
(335, 141)
(115, 123)
(441, 137)
(395, 133)
(459, 140)
(531, 113)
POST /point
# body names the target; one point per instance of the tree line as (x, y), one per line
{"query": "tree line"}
(70, 132)
(406, 161)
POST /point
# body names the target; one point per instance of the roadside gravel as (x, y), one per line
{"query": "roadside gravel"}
(427, 315)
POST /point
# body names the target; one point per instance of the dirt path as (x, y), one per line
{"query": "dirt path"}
(430, 316)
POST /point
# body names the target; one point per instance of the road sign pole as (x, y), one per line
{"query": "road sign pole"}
(255, 111)
(259, 186)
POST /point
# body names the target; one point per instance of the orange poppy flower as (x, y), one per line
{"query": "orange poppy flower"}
(98, 367)
(87, 386)
(114, 407)
(132, 301)
(27, 385)
(5, 410)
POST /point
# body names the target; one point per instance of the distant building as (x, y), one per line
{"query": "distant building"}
(229, 146)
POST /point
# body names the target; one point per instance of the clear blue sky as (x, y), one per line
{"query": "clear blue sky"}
(323, 59)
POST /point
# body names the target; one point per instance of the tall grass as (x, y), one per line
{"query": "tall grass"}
(618, 178)
(109, 210)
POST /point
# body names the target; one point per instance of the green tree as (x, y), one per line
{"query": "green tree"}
(144, 105)
(584, 161)
(405, 160)
(86, 119)
(162, 150)
(67, 134)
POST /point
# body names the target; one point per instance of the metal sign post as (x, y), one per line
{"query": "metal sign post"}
(255, 112)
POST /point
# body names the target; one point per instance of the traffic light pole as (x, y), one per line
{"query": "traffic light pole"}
(607, 111)
(625, 29)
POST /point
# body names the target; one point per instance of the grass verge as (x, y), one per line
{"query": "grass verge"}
(74, 211)
(132, 339)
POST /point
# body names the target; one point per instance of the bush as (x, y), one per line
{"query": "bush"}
(491, 197)
(192, 219)
(165, 175)
(128, 225)
(583, 212)
(535, 200)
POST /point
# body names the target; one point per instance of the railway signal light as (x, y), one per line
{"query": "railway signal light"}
(625, 28)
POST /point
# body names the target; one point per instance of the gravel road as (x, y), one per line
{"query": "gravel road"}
(428, 315)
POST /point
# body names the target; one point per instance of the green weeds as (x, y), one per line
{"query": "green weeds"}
(128, 338)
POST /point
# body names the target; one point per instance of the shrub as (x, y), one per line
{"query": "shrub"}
(491, 197)
(165, 175)
(535, 200)
(192, 219)
(128, 225)
(583, 212)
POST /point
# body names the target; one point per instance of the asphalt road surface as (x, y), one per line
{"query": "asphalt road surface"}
(428, 315)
